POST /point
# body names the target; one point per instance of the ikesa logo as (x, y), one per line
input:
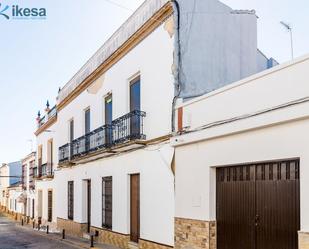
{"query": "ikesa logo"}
(3, 10)
(18, 12)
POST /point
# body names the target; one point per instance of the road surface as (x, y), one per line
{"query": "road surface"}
(13, 236)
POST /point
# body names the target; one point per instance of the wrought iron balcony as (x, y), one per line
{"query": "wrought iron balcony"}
(52, 113)
(35, 172)
(127, 128)
(64, 152)
(97, 139)
(47, 170)
(44, 170)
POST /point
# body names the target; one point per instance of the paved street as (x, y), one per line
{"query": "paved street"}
(15, 237)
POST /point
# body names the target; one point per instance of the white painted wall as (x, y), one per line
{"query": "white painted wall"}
(156, 192)
(277, 134)
(268, 89)
(30, 198)
(42, 139)
(152, 59)
(4, 183)
(44, 186)
(14, 194)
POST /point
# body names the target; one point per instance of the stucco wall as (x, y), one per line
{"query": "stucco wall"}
(43, 138)
(152, 59)
(44, 186)
(276, 86)
(270, 135)
(156, 192)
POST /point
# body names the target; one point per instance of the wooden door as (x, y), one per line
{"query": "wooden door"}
(277, 205)
(235, 208)
(135, 208)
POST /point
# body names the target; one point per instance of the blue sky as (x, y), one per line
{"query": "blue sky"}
(39, 56)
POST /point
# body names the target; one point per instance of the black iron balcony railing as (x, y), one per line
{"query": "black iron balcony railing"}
(64, 152)
(43, 170)
(129, 127)
(52, 113)
(47, 170)
(35, 172)
(97, 139)
(124, 129)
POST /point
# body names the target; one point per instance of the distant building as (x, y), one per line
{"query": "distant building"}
(28, 184)
(15, 172)
(10, 180)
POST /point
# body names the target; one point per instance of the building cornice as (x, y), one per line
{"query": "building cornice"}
(45, 126)
(146, 29)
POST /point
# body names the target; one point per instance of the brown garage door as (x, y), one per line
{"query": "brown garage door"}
(258, 206)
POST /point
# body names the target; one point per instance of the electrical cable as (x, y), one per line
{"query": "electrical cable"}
(127, 8)
(246, 116)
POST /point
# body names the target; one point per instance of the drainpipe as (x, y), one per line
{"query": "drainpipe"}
(177, 60)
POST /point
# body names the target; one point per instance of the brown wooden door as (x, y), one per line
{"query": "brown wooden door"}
(134, 208)
(258, 206)
(235, 208)
(277, 205)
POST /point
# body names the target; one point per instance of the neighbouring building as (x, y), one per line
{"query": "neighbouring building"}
(10, 185)
(46, 157)
(241, 156)
(29, 171)
(15, 200)
(4, 184)
(105, 164)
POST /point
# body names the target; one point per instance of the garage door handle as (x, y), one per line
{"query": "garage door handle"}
(257, 220)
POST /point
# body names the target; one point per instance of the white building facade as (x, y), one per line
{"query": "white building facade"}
(4, 184)
(46, 164)
(28, 185)
(241, 163)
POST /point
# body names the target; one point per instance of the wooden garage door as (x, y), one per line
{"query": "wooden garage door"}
(258, 206)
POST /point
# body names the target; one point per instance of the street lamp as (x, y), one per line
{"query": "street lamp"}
(289, 29)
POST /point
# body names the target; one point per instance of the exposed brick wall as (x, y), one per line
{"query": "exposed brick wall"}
(71, 227)
(303, 240)
(111, 238)
(143, 244)
(195, 234)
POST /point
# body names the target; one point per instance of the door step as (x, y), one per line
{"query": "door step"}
(133, 245)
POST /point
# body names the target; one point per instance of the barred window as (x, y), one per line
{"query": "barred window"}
(50, 205)
(107, 202)
(33, 208)
(70, 200)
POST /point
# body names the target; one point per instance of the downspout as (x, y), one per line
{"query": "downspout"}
(177, 60)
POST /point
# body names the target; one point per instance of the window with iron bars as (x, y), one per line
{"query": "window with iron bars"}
(70, 200)
(107, 202)
(50, 205)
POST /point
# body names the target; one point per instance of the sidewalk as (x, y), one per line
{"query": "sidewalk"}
(69, 240)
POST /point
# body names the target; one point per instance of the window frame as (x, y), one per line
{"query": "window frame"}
(86, 110)
(50, 205)
(71, 130)
(71, 200)
(106, 195)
